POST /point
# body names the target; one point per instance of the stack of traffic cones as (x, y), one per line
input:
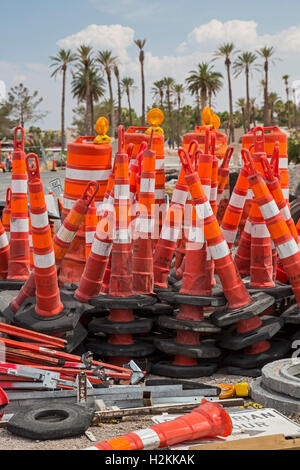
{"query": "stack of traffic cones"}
(121, 299)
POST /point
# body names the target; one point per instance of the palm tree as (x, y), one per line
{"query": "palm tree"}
(285, 78)
(194, 89)
(273, 98)
(215, 85)
(107, 61)
(169, 84)
(140, 44)
(61, 62)
(117, 75)
(240, 103)
(158, 91)
(243, 63)
(178, 89)
(85, 59)
(295, 109)
(127, 85)
(203, 79)
(266, 53)
(225, 51)
(78, 87)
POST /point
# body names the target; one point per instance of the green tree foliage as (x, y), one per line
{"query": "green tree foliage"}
(24, 105)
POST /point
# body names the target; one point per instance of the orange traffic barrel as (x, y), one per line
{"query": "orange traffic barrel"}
(86, 161)
(273, 135)
(199, 136)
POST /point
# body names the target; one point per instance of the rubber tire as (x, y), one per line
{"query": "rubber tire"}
(168, 369)
(77, 420)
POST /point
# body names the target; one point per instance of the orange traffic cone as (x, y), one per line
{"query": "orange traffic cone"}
(193, 358)
(19, 259)
(45, 313)
(4, 253)
(6, 214)
(206, 421)
(62, 240)
(142, 259)
(239, 301)
(121, 300)
(171, 229)
(90, 226)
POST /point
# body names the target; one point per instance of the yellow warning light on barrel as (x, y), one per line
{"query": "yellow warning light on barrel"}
(209, 118)
(154, 118)
(102, 127)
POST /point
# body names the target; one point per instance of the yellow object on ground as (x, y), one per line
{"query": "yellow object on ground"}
(240, 389)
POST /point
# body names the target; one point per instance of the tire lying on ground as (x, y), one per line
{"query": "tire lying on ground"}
(295, 208)
(55, 421)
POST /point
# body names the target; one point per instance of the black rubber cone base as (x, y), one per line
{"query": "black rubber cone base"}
(6, 284)
(166, 295)
(134, 301)
(156, 309)
(254, 372)
(200, 300)
(139, 325)
(205, 350)
(279, 291)
(137, 349)
(168, 369)
(26, 317)
(75, 337)
(292, 315)
(266, 331)
(278, 349)
(260, 302)
(197, 326)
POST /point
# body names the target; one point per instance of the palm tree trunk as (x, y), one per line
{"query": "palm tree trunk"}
(88, 102)
(231, 124)
(203, 98)
(247, 101)
(178, 123)
(129, 107)
(161, 93)
(92, 114)
(288, 107)
(112, 111)
(209, 98)
(198, 108)
(170, 119)
(119, 102)
(266, 101)
(143, 93)
(63, 111)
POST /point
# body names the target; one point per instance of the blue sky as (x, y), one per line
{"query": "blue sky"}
(179, 35)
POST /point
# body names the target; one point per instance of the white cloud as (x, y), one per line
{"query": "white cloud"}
(114, 37)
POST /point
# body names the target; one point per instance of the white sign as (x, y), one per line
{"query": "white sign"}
(246, 423)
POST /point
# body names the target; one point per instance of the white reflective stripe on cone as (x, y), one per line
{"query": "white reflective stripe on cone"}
(121, 235)
(249, 194)
(247, 227)
(179, 196)
(144, 225)
(204, 210)
(65, 235)
(169, 233)
(259, 231)
(283, 163)
(68, 203)
(44, 261)
(287, 249)
(19, 186)
(206, 188)
(148, 437)
(213, 193)
(121, 191)
(89, 236)
(160, 194)
(39, 220)
(285, 192)
(269, 209)
(159, 164)
(237, 200)
(147, 185)
(229, 235)
(19, 225)
(196, 234)
(220, 250)
(285, 213)
(3, 240)
(87, 175)
(101, 248)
